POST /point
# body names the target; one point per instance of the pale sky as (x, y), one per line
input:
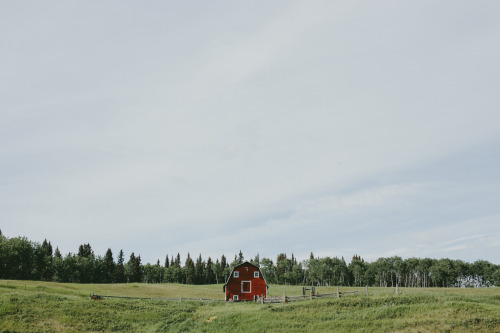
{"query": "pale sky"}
(337, 127)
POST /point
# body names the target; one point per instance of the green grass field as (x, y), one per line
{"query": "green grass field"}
(27, 306)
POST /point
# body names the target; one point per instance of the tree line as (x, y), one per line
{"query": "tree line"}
(22, 259)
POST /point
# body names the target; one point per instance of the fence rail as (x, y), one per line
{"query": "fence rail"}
(271, 299)
(173, 299)
(285, 298)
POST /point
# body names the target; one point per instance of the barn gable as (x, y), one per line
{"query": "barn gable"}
(246, 282)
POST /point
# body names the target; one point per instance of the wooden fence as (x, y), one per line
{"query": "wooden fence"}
(271, 299)
(176, 299)
(285, 298)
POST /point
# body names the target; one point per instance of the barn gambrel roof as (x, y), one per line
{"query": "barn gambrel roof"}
(243, 263)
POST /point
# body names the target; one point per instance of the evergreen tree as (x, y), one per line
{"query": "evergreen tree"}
(240, 258)
(109, 269)
(199, 271)
(224, 274)
(85, 264)
(137, 269)
(256, 261)
(159, 273)
(283, 266)
(43, 261)
(49, 272)
(129, 268)
(175, 273)
(69, 270)
(120, 269)
(223, 262)
(217, 271)
(189, 270)
(57, 254)
(167, 263)
(100, 271)
(39, 262)
(85, 251)
(57, 266)
(209, 272)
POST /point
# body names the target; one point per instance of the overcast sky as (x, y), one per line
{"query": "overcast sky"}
(337, 127)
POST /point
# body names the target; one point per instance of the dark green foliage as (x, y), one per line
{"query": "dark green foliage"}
(22, 259)
(120, 268)
(109, 268)
(190, 270)
(199, 271)
(268, 270)
(209, 274)
(167, 262)
(240, 258)
(153, 273)
(85, 251)
(134, 269)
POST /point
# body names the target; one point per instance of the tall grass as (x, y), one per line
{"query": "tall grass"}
(54, 307)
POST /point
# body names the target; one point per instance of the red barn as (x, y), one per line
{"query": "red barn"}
(245, 283)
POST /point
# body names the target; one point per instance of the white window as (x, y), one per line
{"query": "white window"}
(235, 297)
(236, 274)
(256, 274)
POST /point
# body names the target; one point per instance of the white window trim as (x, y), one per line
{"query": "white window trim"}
(256, 274)
(236, 274)
(235, 297)
(246, 292)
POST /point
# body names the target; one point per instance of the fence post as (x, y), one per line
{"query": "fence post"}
(338, 293)
(284, 296)
(397, 291)
(366, 290)
(262, 299)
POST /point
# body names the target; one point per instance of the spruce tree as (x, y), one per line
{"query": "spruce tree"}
(43, 261)
(189, 270)
(217, 271)
(120, 268)
(240, 258)
(58, 253)
(256, 261)
(167, 263)
(129, 268)
(109, 267)
(209, 272)
(199, 271)
(137, 271)
(223, 262)
(57, 266)
(85, 251)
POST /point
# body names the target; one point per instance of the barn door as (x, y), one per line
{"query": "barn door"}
(246, 286)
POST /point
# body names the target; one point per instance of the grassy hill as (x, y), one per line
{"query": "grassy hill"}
(27, 306)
